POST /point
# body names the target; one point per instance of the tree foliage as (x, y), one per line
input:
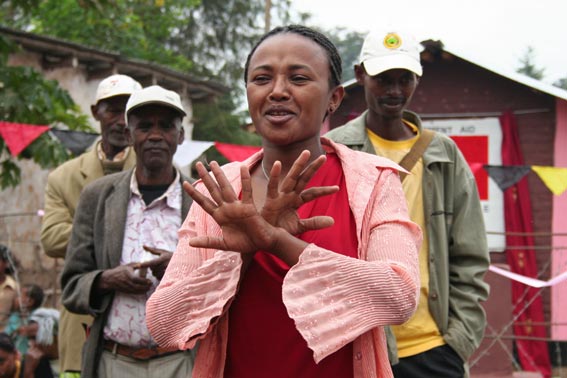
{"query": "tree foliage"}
(218, 34)
(28, 98)
(215, 122)
(561, 83)
(528, 66)
(16, 10)
(137, 29)
(348, 44)
(209, 39)
(223, 129)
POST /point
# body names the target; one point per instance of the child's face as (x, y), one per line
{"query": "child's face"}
(25, 300)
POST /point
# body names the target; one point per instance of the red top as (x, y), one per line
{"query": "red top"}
(262, 339)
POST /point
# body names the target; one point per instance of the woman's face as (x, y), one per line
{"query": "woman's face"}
(288, 89)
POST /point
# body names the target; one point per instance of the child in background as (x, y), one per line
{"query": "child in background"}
(42, 356)
(10, 364)
(8, 286)
(18, 328)
(34, 365)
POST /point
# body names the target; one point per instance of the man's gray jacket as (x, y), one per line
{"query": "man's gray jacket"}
(96, 245)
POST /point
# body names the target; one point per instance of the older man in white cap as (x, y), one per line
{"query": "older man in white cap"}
(64, 185)
(123, 229)
(442, 198)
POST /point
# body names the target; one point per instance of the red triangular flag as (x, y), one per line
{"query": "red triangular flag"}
(476, 168)
(18, 136)
(236, 152)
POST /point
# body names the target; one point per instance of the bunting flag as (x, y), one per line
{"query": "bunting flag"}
(189, 151)
(554, 178)
(75, 141)
(18, 136)
(476, 168)
(505, 177)
(236, 152)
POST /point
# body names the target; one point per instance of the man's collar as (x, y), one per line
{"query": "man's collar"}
(121, 156)
(174, 189)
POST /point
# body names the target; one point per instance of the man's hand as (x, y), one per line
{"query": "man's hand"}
(157, 265)
(28, 330)
(123, 278)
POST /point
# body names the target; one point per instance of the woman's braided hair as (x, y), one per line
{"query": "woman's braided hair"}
(335, 63)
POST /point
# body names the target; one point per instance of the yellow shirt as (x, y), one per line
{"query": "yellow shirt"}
(419, 333)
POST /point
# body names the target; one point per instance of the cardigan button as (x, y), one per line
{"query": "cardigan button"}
(358, 356)
(434, 296)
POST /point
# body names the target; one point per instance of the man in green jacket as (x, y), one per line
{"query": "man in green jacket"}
(442, 198)
(64, 185)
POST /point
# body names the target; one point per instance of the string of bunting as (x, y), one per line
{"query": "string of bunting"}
(18, 136)
(555, 178)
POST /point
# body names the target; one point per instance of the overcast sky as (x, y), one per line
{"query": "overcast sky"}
(493, 33)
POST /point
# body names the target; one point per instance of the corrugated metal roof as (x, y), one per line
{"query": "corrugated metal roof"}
(517, 77)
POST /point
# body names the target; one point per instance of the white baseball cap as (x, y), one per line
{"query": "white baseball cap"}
(154, 95)
(116, 85)
(388, 50)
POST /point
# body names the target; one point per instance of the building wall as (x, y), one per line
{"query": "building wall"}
(559, 256)
(455, 86)
(82, 90)
(20, 227)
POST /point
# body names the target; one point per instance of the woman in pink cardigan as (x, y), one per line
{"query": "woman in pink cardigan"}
(291, 263)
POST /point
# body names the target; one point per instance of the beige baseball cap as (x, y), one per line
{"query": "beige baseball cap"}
(388, 50)
(116, 85)
(154, 95)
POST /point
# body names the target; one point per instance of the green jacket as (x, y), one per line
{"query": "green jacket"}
(457, 238)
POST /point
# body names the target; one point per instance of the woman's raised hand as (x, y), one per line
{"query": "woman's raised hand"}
(243, 228)
(282, 201)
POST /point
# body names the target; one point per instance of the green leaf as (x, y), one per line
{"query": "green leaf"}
(10, 174)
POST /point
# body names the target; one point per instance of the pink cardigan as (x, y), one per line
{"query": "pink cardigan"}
(333, 299)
